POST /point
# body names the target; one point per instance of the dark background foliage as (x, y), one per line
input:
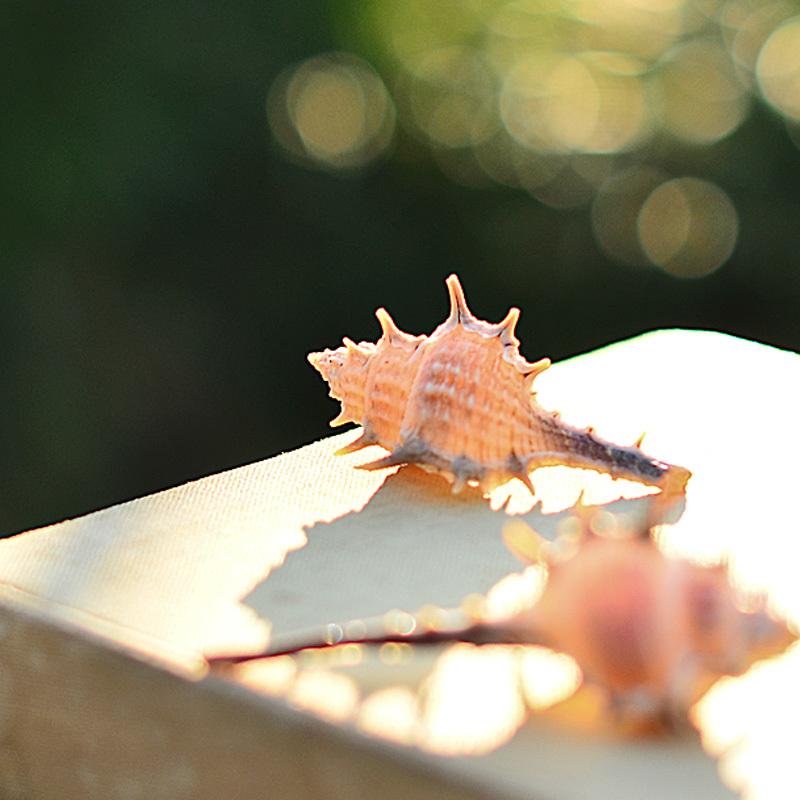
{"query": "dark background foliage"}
(165, 268)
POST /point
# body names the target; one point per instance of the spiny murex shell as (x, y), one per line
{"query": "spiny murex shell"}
(459, 402)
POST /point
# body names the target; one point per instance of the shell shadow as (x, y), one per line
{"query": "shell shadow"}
(413, 545)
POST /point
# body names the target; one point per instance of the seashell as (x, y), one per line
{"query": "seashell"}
(460, 402)
(653, 631)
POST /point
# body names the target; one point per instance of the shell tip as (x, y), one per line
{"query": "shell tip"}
(386, 322)
(365, 440)
(391, 460)
(350, 345)
(458, 304)
(506, 328)
(341, 418)
(675, 480)
(523, 476)
(532, 371)
(389, 328)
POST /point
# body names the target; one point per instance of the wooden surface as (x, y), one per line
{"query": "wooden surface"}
(106, 619)
(82, 719)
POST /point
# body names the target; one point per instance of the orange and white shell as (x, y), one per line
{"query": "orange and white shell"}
(459, 402)
(653, 630)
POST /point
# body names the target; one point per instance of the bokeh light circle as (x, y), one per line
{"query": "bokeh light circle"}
(550, 103)
(615, 213)
(592, 102)
(555, 98)
(450, 92)
(778, 68)
(332, 109)
(702, 99)
(688, 227)
(746, 25)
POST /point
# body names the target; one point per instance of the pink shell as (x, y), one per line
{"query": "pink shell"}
(652, 630)
(459, 402)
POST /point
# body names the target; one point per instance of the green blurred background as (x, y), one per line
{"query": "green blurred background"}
(197, 194)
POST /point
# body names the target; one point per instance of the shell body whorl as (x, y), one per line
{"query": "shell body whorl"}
(459, 402)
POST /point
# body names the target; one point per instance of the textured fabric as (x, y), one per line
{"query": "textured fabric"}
(174, 565)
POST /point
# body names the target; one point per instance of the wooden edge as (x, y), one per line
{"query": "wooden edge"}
(83, 717)
(109, 633)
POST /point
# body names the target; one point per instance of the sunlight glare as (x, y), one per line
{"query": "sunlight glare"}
(471, 701)
(750, 724)
(390, 713)
(273, 676)
(548, 677)
(515, 592)
(330, 695)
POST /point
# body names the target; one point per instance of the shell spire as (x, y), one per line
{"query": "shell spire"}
(460, 402)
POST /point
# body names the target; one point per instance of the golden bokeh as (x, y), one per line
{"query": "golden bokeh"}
(778, 69)
(527, 93)
(449, 94)
(702, 100)
(333, 110)
(745, 26)
(591, 102)
(688, 227)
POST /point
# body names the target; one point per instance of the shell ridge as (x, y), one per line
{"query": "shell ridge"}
(385, 391)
